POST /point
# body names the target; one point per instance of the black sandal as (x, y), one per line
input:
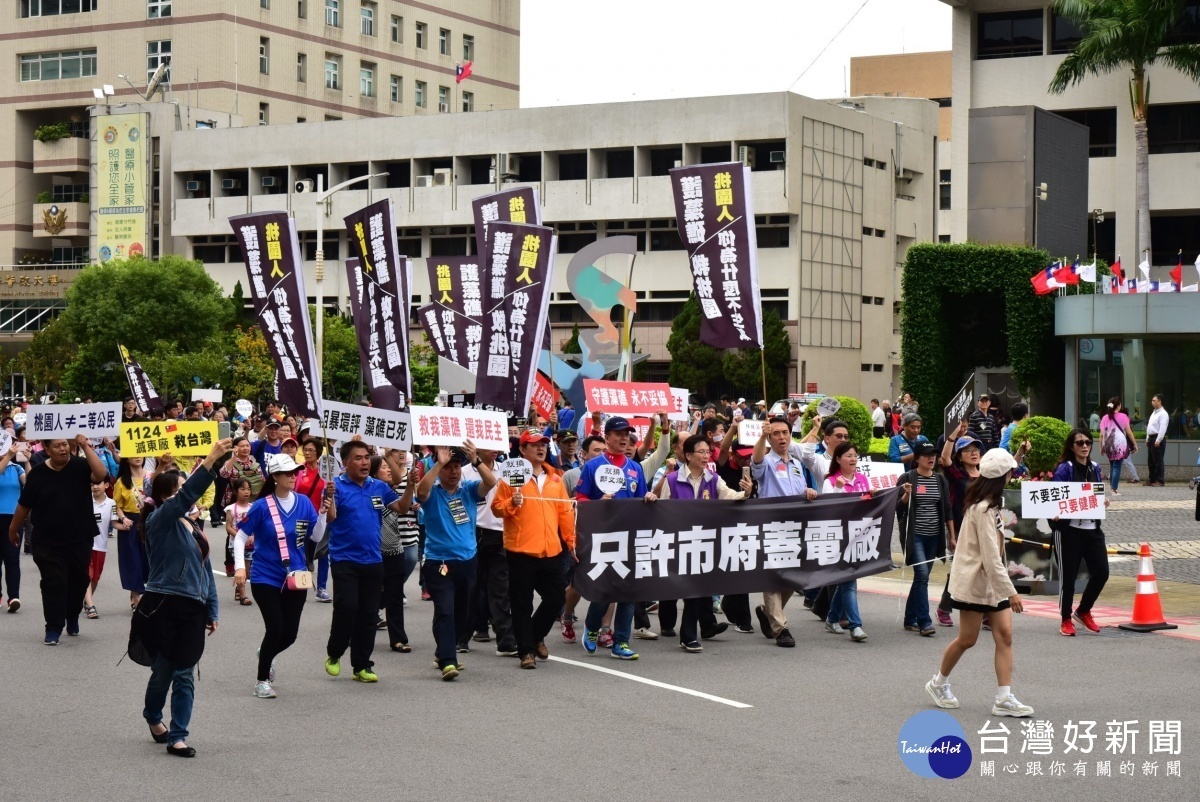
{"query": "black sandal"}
(401, 647)
(181, 751)
(159, 737)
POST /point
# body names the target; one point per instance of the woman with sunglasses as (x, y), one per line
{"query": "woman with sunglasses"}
(1079, 539)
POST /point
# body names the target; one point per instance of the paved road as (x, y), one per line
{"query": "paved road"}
(823, 718)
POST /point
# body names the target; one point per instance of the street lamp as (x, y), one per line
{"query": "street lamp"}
(322, 200)
(1097, 219)
(1040, 193)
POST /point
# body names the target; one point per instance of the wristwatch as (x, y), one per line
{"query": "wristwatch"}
(477, 462)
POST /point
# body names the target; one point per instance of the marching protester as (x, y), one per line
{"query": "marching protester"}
(900, 448)
(180, 602)
(450, 508)
(592, 447)
(240, 465)
(982, 423)
(778, 474)
(309, 483)
(816, 458)
(878, 418)
(1079, 540)
(12, 479)
(845, 478)
(108, 518)
(58, 495)
(398, 542)
(280, 521)
(539, 526)
(1020, 411)
(1156, 441)
(270, 441)
(980, 585)
(1117, 442)
(354, 521)
(129, 494)
(926, 527)
(694, 481)
(489, 596)
(960, 460)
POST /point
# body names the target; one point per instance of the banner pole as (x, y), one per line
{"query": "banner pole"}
(762, 356)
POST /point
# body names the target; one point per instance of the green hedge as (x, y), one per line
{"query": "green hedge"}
(1046, 438)
(857, 418)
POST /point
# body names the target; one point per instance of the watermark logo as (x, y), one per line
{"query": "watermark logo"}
(933, 744)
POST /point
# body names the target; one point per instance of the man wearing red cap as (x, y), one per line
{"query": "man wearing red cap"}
(538, 522)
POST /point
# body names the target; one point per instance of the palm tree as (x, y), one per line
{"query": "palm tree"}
(1127, 35)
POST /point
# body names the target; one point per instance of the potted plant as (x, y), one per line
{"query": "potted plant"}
(52, 132)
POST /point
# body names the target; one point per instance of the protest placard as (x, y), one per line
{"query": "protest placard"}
(59, 421)
(179, 438)
(448, 426)
(1062, 500)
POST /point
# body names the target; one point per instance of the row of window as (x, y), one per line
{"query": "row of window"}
(366, 79)
(52, 8)
(1011, 34)
(368, 13)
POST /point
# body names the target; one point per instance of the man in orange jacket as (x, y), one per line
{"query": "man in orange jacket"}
(539, 520)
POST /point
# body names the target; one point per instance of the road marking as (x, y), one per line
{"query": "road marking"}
(655, 683)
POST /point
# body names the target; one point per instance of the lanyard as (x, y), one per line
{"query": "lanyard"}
(273, 508)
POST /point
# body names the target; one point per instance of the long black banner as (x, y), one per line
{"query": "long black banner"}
(144, 395)
(364, 311)
(633, 551)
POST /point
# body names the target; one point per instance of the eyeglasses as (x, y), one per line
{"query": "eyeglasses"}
(1087, 443)
(840, 436)
(702, 453)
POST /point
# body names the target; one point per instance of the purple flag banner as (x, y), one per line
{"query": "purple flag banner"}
(372, 235)
(364, 313)
(458, 296)
(453, 336)
(269, 240)
(516, 205)
(716, 223)
(144, 394)
(516, 301)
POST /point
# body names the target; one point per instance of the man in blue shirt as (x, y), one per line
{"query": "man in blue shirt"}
(450, 506)
(900, 449)
(269, 442)
(354, 521)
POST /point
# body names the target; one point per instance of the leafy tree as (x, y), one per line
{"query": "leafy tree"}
(694, 365)
(857, 419)
(174, 372)
(571, 346)
(743, 367)
(422, 363)
(341, 368)
(45, 361)
(252, 373)
(1046, 437)
(1128, 35)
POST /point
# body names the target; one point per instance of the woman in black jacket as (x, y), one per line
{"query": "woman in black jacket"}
(925, 523)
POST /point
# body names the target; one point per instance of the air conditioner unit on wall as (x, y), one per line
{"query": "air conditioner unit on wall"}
(441, 177)
(193, 186)
(268, 181)
(303, 185)
(231, 183)
(746, 156)
(509, 163)
(424, 180)
(443, 107)
(778, 156)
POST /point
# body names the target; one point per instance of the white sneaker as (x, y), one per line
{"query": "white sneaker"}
(645, 633)
(858, 635)
(1010, 706)
(834, 627)
(263, 690)
(941, 695)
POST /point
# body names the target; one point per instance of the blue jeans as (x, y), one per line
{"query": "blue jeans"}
(183, 694)
(845, 604)
(916, 611)
(1114, 473)
(323, 572)
(622, 620)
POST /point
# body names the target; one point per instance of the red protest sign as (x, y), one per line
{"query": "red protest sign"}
(545, 396)
(642, 427)
(627, 398)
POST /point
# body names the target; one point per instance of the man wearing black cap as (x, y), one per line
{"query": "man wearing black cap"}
(568, 450)
(269, 441)
(982, 425)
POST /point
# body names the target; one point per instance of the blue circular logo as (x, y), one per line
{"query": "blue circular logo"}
(933, 744)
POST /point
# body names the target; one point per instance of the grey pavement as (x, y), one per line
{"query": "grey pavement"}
(823, 721)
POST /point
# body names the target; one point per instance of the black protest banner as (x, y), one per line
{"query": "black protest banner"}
(364, 313)
(453, 336)
(268, 239)
(716, 223)
(516, 205)
(633, 551)
(458, 296)
(516, 301)
(144, 394)
(959, 408)
(372, 234)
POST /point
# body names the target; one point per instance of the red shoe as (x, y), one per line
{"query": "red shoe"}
(1068, 628)
(425, 595)
(568, 632)
(1087, 620)
(606, 639)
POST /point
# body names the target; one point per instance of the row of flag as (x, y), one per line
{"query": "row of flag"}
(1063, 274)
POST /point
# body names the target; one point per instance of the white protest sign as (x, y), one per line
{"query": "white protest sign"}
(5, 442)
(609, 479)
(244, 407)
(881, 475)
(447, 426)
(214, 396)
(828, 406)
(679, 404)
(58, 421)
(749, 431)
(1062, 500)
(377, 427)
(516, 471)
(327, 466)
(18, 419)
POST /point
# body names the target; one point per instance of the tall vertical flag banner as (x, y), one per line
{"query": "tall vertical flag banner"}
(121, 186)
(140, 387)
(271, 250)
(516, 302)
(372, 234)
(454, 320)
(517, 205)
(716, 222)
(364, 312)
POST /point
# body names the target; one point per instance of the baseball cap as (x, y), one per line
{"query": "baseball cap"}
(281, 463)
(996, 463)
(741, 400)
(533, 436)
(566, 434)
(965, 441)
(616, 424)
(760, 403)
(287, 440)
(925, 449)
(459, 456)
(272, 422)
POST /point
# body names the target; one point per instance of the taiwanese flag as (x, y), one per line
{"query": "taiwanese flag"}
(1177, 270)
(1116, 270)
(171, 428)
(462, 72)
(1115, 283)
(1070, 275)
(1047, 281)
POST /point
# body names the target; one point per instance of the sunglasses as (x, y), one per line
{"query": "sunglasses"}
(1087, 443)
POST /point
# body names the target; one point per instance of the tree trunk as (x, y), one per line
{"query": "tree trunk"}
(1141, 150)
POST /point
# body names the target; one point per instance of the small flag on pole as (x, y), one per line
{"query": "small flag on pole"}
(1177, 270)
(1116, 268)
(1145, 266)
(1088, 272)
(462, 72)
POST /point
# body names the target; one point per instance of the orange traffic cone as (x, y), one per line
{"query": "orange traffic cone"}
(1147, 608)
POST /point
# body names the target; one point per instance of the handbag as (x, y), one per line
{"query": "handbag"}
(296, 580)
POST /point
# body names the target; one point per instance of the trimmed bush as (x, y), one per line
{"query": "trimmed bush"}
(1046, 437)
(856, 417)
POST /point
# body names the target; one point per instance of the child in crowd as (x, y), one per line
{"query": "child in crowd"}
(108, 518)
(239, 488)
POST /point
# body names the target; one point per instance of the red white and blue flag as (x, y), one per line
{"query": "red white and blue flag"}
(462, 72)
(1177, 270)
(1048, 280)
(1069, 274)
(1116, 269)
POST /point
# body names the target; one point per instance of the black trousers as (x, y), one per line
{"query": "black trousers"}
(355, 611)
(736, 607)
(668, 614)
(1074, 546)
(451, 597)
(489, 600)
(281, 609)
(528, 575)
(693, 612)
(65, 579)
(1154, 457)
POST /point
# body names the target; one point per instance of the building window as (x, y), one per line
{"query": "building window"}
(444, 41)
(333, 13)
(302, 9)
(264, 4)
(264, 55)
(1188, 29)
(302, 68)
(944, 239)
(419, 94)
(1010, 34)
(158, 8)
(158, 53)
(468, 101)
(396, 89)
(366, 80)
(1064, 34)
(1174, 128)
(56, 66)
(52, 8)
(333, 70)
(422, 31)
(468, 47)
(264, 113)
(366, 23)
(1102, 129)
(397, 29)
(943, 189)
(443, 99)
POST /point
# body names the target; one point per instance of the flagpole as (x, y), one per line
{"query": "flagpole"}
(762, 359)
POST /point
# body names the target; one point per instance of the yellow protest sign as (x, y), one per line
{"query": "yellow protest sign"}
(181, 438)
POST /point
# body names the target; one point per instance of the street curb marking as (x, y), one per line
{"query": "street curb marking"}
(655, 683)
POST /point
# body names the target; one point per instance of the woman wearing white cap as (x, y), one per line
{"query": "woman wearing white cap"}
(279, 522)
(980, 585)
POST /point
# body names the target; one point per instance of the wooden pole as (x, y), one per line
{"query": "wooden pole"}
(762, 357)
